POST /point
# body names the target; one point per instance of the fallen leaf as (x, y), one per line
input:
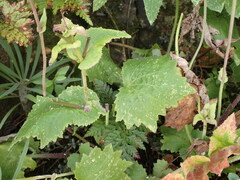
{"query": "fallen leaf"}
(237, 114)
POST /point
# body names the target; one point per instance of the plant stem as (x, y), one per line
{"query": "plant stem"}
(202, 36)
(107, 114)
(229, 109)
(79, 137)
(174, 26)
(226, 57)
(123, 45)
(49, 156)
(39, 30)
(177, 34)
(204, 129)
(188, 134)
(53, 176)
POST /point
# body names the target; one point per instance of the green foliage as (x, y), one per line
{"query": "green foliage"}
(152, 8)
(15, 23)
(161, 169)
(99, 37)
(80, 8)
(177, 141)
(97, 4)
(218, 5)
(106, 70)
(136, 172)
(104, 91)
(99, 165)
(150, 86)
(9, 160)
(195, 2)
(127, 140)
(49, 118)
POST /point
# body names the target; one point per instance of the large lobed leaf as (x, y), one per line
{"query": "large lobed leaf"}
(99, 165)
(105, 70)
(47, 120)
(98, 39)
(152, 8)
(150, 86)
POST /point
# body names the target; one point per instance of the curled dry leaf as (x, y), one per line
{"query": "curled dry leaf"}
(184, 113)
(237, 115)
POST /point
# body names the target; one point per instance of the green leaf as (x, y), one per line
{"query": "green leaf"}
(106, 70)
(9, 160)
(150, 86)
(152, 8)
(72, 160)
(207, 114)
(136, 172)
(61, 73)
(195, 2)
(236, 72)
(98, 39)
(233, 176)
(218, 5)
(161, 169)
(47, 120)
(43, 21)
(177, 141)
(97, 4)
(128, 140)
(224, 135)
(99, 165)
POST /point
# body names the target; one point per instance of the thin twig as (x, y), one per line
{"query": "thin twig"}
(79, 137)
(224, 72)
(229, 109)
(52, 176)
(39, 30)
(123, 45)
(177, 34)
(174, 26)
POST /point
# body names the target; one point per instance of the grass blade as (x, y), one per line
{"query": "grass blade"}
(20, 59)
(21, 159)
(10, 90)
(36, 59)
(7, 115)
(27, 64)
(8, 71)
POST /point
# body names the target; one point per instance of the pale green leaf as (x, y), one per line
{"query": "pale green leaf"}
(161, 169)
(136, 172)
(152, 8)
(47, 120)
(220, 76)
(63, 44)
(97, 4)
(228, 6)
(9, 160)
(43, 21)
(98, 39)
(105, 70)
(207, 114)
(195, 2)
(102, 165)
(151, 85)
(61, 73)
